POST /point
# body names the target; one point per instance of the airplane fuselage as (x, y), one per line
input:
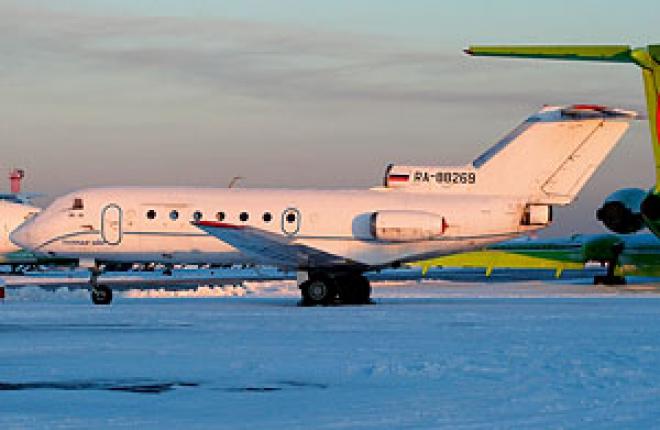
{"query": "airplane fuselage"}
(154, 224)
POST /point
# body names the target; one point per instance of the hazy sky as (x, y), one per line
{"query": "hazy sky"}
(297, 93)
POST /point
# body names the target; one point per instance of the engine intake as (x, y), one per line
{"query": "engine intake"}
(650, 210)
(406, 226)
(650, 207)
(621, 211)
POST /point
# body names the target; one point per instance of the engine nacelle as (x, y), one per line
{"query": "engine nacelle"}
(621, 212)
(406, 226)
(650, 210)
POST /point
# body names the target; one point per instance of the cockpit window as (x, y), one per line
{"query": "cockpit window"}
(78, 204)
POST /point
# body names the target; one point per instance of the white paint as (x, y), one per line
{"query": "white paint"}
(11, 216)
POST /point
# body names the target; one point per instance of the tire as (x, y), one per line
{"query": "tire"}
(101, 295)
(609, 280)
(318, 291)
(354, 290)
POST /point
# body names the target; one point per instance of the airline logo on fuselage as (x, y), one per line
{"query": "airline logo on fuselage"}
(83, 242)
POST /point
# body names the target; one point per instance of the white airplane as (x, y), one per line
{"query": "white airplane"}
(12, 214)
(331, 237)
(15, 208)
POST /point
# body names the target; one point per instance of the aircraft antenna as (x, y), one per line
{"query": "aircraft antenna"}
(234, 181)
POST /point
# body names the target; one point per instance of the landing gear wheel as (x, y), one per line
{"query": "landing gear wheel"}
(101, 295)
(609, 280)
(355, 290)
(318, 291)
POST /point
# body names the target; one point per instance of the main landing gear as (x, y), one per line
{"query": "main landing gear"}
(328, 289)
(610, 278)
(100, 294)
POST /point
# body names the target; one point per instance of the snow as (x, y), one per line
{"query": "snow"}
(426, 355)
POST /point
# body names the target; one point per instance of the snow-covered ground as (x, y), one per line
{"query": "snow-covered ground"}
(426, 355)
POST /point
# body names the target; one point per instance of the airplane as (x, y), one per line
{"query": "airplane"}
(623, 255)
(332, 237)
(15, 208)
(11, 216)
(627, 210)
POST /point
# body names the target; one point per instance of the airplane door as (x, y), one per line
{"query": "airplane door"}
(111, 224)
(290, 221)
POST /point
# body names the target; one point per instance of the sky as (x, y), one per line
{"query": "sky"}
(286, 93)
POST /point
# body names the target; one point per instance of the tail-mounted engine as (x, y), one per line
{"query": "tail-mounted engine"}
(406, 226)
(622, 211)
(650, 210)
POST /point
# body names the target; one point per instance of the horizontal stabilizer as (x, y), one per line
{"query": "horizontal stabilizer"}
(647, 58)
(606, 53)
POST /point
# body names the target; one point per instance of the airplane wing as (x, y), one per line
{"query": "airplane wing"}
(23, 198)
(269, 247)
(497, 259)
(635, 255)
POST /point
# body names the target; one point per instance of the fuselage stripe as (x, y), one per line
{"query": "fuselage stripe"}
(347, 238)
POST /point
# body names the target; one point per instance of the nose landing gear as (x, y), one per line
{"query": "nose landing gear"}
(100, 294)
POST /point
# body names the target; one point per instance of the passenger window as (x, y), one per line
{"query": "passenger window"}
(220, 216)
(78, 204)
(197, 216)
(267, 217)
(174, 215)
(244, 216)
(151, 214)
(291, 217)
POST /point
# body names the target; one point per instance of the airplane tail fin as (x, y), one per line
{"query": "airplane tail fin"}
(551, 155)
(652, 90)
(547, 159)
(648, 58)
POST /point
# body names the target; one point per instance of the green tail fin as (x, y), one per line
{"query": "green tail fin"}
(647, 58)
(652, 90)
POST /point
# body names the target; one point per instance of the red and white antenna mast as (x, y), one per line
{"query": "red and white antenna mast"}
(15, 178)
